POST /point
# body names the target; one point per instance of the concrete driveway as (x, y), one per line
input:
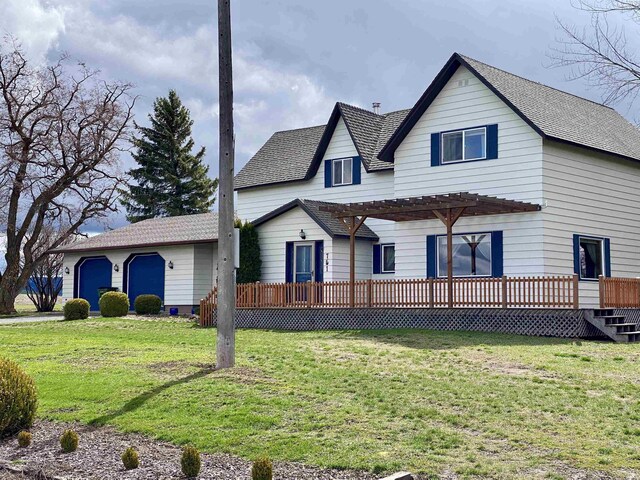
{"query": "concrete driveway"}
(31, 319)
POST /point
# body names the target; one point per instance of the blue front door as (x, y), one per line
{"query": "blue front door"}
(303, 262)
(145, 276)
(93, 273)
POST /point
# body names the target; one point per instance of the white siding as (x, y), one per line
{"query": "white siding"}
(516, 174)
(204, 270)
(179, 281)
(255, 202)
(590, 194)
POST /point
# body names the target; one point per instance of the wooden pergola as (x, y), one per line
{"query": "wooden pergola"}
(447, 208)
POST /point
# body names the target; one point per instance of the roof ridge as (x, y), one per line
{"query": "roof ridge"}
(465, 57)
(382, 115)
(300, 128)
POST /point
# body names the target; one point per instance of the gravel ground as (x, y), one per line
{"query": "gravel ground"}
(98, 457)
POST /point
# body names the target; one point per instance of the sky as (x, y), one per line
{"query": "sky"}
(292, 59)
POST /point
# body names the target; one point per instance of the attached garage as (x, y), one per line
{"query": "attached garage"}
(92, 274)
(144, 275)
(175, 258)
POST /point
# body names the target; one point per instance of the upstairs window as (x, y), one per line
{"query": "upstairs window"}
(342, 171)
(464, 145)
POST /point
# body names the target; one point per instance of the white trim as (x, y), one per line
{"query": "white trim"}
(464, 133)
(603, 266)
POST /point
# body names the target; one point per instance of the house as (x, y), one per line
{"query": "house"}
(556, 174)
(174, 258)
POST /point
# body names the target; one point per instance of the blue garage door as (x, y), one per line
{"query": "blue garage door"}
(145, 275)
(93, 273)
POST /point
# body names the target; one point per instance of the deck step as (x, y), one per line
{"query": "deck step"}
(616, 327)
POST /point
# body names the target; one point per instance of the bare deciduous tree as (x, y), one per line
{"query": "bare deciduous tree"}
(601, 53)
(61, 132)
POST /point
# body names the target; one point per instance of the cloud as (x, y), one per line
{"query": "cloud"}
(37, 26)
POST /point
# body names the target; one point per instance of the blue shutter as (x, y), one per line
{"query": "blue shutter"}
(431, 256)
(377, 262)
(356, 172)
(576, 254)
(327, 174)
(607, 257)
(319, 263)
(492, 141)
(435, 149)
(497, 259)
(288, 263)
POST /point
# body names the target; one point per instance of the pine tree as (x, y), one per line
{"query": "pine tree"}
(169, 180)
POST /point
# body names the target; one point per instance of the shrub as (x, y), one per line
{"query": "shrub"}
(190, 462)
(250, 262)
(262, 469)
(114, 304)
(18, 398)
(24, 439)
(147, 304)
(69, 441)
(130, 458)
(76, 309)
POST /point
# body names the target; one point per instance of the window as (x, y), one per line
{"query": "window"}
(388, 258)
(591, 257)
(342, 171)
(471, 255)
(464, 145)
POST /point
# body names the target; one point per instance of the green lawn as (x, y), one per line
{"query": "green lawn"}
(433, 402)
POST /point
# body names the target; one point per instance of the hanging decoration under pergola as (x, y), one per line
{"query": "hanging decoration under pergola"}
(447, 208)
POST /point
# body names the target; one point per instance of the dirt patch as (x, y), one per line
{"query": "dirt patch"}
(98, 457)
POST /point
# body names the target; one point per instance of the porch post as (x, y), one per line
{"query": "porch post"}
(352, 262)
(449, 219)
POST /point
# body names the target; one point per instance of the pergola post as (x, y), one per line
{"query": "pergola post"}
(353, 225)
(449, 218)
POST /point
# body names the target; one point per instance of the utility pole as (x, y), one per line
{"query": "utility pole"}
(226, 345)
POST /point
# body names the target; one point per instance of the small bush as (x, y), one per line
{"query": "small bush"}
(76, 309)
(69, 441)
(190, 462)
(114, 304)
(262, 469)
(130, 458)
(24, 439)
(18, 399)
(147, 304)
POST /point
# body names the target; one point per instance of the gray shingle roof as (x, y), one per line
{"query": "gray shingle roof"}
(563, 116)
(333, 226)
(293, 151)
(285, 157)
(187, 229)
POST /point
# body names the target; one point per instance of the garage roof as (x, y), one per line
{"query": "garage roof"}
(183, 230)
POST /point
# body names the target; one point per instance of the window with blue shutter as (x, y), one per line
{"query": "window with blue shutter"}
(384, 258)
(464, 145)
(591, 257)
(342, 171)
(474, 255)
(376, 259)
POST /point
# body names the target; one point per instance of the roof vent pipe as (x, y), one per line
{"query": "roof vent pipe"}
(376, 108)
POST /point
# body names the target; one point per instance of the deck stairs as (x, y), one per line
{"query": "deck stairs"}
(613, 325)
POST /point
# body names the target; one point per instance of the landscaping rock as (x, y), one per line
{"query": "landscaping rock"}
(99, 452)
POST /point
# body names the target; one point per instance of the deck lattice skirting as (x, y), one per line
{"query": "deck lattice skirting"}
(562, 323)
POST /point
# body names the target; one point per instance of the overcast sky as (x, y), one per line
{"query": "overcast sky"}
(293, 59)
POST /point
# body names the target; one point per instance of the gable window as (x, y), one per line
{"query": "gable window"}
(342, 171)
(464, 145)
(388, 258)
(471, 255)
(591, 257)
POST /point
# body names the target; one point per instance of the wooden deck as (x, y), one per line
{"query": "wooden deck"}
(505, 292)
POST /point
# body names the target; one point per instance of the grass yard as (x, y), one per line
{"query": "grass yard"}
(440, 403)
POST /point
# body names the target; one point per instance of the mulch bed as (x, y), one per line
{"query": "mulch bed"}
(98, 457)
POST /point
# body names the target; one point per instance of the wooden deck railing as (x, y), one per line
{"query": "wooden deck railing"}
(616, 292)
(505, 292)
